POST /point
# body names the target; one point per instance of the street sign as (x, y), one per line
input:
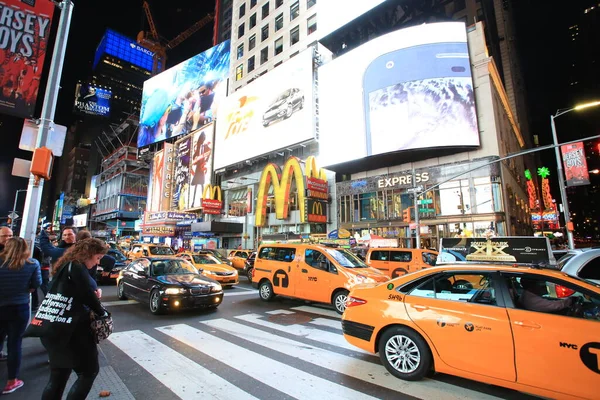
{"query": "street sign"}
(13, 215)
(425, 201)
(415, 189)
(426, 210)
(21, 168)
(56, 137)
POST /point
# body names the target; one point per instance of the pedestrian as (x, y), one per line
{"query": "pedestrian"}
(35, 298)
(5, 234)
(78, 352)
(19, 275)
(68, 238)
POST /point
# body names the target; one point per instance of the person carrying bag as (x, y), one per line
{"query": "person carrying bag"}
(64, 323)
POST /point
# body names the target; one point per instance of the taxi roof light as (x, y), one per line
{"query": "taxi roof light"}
(354, 301)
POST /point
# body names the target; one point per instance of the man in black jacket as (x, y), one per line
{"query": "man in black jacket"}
(56, 252)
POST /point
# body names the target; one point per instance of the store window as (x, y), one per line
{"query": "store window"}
(455, 198)
(484, 199)
(238, 203)
(294, 35)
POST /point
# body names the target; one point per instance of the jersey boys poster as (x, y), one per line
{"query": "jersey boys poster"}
(24, 31)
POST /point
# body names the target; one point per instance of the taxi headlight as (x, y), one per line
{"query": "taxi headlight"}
(216, 288)
(207, 272)
(175, 291)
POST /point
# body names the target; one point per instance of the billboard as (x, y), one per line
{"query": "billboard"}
(91, 99)
(185, 97)
(167, 188)
(24, 27)
(271, 113)
(93, 189)
(410, 89)
(200, 164)
(80, 220)
(155, 198)
(181, 175)
(333, 14)
(124, 48)
(575, 164)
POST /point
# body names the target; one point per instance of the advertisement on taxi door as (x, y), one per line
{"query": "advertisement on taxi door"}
(24, 32)
(519, 250)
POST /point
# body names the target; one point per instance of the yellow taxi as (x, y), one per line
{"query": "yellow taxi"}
(394, 261)
(310, 272)
(238, 258)
(212, 267)
(527, 328)
(139, 250)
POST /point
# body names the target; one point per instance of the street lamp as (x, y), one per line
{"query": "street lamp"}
(561, 178)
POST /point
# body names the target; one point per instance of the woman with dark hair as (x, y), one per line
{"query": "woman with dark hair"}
(78, 352)
(19, 274)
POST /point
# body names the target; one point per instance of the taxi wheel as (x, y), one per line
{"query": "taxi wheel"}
(265, 291)
(121, 291)
(405, 354)
(249, 274)
(155, 306)
(339, 301)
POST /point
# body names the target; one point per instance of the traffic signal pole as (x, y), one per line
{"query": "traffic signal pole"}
(33, 199)
(416, 204)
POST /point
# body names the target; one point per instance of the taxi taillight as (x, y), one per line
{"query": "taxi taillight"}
(354, 301)
(562, 291)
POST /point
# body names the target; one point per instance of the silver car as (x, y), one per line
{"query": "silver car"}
(582, 263)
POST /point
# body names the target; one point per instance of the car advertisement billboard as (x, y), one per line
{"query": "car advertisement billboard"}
(410, 89)
(185, 97)
(91, 99)
(24, 32)
(271, 113)
(575, 164)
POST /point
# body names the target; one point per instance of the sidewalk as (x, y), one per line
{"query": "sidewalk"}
(35, 372)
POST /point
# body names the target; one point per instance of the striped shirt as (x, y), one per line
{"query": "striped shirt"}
(15, 285)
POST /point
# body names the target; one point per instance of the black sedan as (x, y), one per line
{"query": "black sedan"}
(168, 284)
(110, 267)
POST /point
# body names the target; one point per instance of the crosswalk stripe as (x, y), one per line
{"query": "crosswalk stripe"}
(244, 288)
(359, 369)
(318, 310)
(268, 371)
(279, 312)
(337, 324)
(254, 292)
(119, 303)
(303, 331)
(181, 375)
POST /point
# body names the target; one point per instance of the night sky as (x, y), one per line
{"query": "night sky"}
(541, 38)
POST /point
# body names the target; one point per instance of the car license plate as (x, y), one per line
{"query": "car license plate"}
(115, 275)
(105, 274)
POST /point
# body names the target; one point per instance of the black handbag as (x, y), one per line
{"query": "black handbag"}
(60, 311)
(102, 326)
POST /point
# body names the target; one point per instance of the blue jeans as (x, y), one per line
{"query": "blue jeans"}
(14, 320)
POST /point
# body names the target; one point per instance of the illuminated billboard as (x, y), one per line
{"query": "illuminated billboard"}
(154, 202)
(575, 164)
(24, 32)
(185, 97)
(181, 175)
(91, 99)
(333, 14)
(126, 49)
(410, 89)
(200, 165)
(271, 113)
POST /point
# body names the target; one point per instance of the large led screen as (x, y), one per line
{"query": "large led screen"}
(271, 113)
(184, 98)
(333, 14)
(410, 89)
(91, 99)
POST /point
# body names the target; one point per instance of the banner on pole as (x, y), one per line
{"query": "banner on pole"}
(575, 164)
(25, 27)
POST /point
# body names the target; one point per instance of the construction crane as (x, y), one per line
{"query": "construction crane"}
(152, 41)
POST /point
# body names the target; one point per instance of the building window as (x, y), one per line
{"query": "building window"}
(264, 34)
(240, 51)
(294, 54)
(295, 10)
(279, 45)
(252, 22)
(240, 30)
(252, 3)
(252, 42)
(279, 22)
(311, 24)
(265, 10)
(239, 72)
(295, 35)
(278, 3)
(264, 55)
(242, 10)
(277, 64)
(310, 3)
(251, 64)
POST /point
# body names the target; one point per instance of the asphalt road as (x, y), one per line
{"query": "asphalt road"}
(246, 349)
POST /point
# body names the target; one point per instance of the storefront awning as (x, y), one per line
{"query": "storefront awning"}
(218, 227)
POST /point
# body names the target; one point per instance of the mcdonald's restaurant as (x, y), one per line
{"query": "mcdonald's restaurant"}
(449, 204)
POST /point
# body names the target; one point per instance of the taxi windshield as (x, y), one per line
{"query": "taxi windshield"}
(172, 267)
(346, 259)
(205, 259)
(161, 251)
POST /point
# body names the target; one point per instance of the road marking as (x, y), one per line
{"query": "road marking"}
(268, 371)
(337, 324)
(119, 303)
(307, 332)
(359, 369)
(317, 310)
(244, 288)
(227, 294)
(181, 375)
(278, 312)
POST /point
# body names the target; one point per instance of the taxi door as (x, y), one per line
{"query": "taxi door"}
(315, 274)
(282, 264)
(466, 321)
(557, 352)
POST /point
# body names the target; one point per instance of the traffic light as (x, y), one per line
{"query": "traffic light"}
(406, 217)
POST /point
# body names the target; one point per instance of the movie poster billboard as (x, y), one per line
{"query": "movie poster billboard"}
(575, 164)
(271, 113)
(181, 175)
(200, 164)
(167, 190)
(91, 99)
(185, 97)
(155, 197)
(24, 32)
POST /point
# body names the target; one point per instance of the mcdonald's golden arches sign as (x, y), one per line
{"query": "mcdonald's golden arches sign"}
(211, 200)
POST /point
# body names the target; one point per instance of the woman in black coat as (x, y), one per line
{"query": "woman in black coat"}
(79, 351)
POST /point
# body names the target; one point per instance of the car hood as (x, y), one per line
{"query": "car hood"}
(276, 105)
(187, 280)
(216, 267)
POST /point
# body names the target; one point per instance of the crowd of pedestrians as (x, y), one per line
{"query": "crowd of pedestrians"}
(21, 276)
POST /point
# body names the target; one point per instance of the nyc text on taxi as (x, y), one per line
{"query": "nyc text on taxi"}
(471, 321)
